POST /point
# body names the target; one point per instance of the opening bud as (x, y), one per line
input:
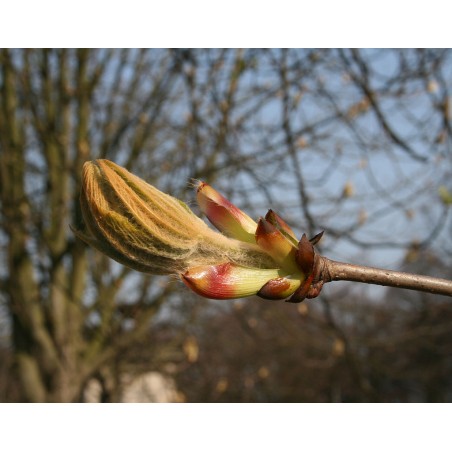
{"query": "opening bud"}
(224, 215)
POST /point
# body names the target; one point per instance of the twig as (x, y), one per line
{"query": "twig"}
(330, 270)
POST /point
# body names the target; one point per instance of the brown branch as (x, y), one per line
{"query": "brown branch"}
(330, 270)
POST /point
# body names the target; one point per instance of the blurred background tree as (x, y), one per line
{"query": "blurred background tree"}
(355, 142)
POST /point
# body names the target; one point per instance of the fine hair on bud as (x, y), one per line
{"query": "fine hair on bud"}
(139, 226)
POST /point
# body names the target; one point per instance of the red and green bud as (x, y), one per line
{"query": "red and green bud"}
(228, 280)
(279, 288)
(272, 241)
(224, 215)
(273, 218)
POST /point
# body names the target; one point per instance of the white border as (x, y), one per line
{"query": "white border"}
(203, 23)
(226, 427)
